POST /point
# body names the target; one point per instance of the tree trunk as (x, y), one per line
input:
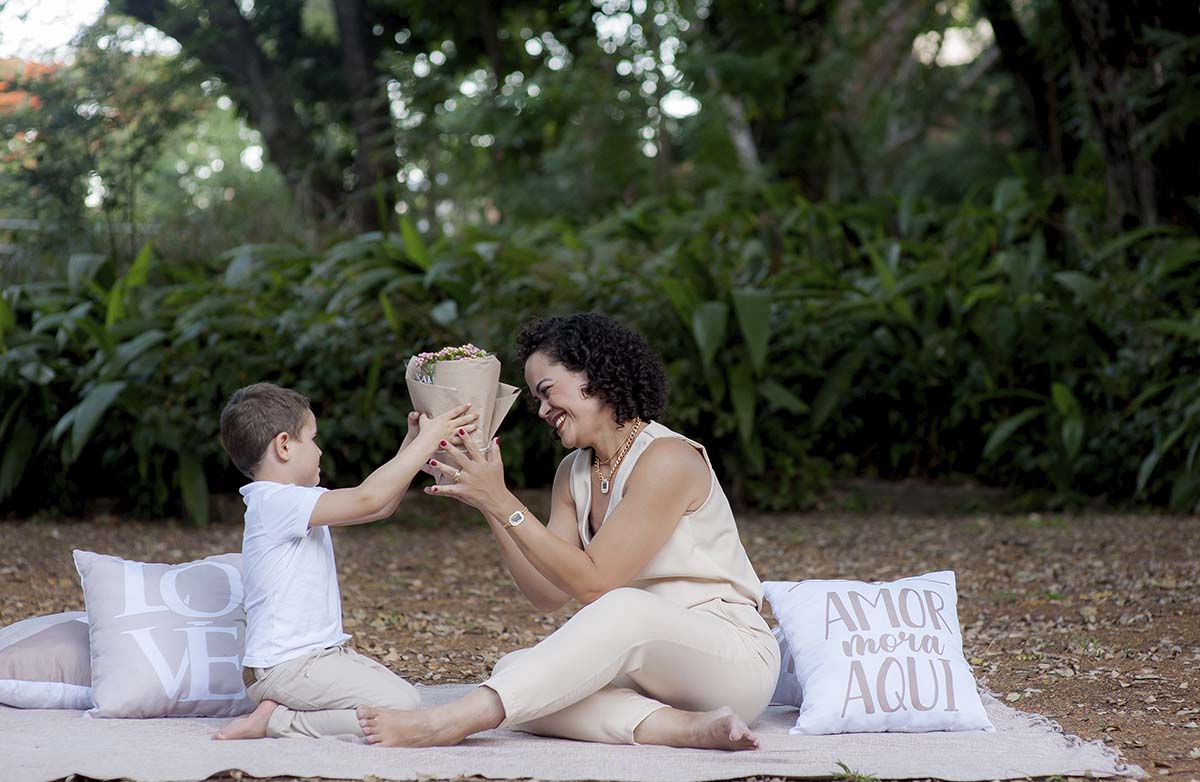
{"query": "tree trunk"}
(1043, 95)
(740, 134)
(773, 127)
(489, 31)
(662, 158)
(1117, 63)
(1103, 38)
(225, 42)
(1037, 85)
(375, 163)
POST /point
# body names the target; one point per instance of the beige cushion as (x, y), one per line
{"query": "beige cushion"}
(788, 691)
(44, 663)
(166, 640)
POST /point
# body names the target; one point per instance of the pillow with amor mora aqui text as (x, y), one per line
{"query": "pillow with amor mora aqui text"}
(878, 656)
(166, 640)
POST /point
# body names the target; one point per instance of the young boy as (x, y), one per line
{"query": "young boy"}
(307, 683)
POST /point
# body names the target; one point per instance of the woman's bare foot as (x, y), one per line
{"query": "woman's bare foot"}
(717, 729)
(441, 726)
(250, 726)
(722, 729)
(395, 728)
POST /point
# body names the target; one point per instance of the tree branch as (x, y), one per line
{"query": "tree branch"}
(897, 140)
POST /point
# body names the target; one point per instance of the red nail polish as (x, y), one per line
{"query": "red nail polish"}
(462, 431)
(434, 490)
(443, 443)
(497, 441)
(433, 462)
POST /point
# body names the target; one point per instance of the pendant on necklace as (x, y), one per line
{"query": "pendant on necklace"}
(604, 485)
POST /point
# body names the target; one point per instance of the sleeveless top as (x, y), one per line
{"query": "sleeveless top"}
(703, 560)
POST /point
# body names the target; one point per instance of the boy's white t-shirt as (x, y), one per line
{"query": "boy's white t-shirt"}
(293, 604)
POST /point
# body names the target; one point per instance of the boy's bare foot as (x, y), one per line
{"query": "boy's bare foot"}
(717, 729)
(250, 726)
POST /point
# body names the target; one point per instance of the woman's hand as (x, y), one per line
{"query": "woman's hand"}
(478, 482)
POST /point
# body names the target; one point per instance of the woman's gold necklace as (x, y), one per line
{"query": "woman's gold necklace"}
(617, 457)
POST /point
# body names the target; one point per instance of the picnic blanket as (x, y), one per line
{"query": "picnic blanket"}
(38, 746)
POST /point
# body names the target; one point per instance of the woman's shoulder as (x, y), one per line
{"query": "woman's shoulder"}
(676, 463)
(673, 457)
(657, 431)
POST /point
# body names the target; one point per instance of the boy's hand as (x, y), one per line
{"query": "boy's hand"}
(414, 428)
(432, 432)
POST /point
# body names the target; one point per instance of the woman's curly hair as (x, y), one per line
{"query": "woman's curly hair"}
(621, 369)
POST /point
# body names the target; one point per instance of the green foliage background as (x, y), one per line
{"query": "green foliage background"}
(854, 260)
(801, 339)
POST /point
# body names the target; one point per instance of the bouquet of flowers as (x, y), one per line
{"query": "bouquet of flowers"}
(453, 376)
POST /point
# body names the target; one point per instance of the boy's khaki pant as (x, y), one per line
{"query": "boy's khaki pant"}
(319, 692)
(631, 653)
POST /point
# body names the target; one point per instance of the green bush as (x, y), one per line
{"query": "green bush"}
(801, 339)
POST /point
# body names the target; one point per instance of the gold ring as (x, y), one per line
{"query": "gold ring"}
(456, 474)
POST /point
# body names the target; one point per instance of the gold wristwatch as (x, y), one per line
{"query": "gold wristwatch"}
(516, 518)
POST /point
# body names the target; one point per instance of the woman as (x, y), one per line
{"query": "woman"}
(669, 647)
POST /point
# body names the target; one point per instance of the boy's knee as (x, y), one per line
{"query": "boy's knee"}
(401, 696)
(409, 702)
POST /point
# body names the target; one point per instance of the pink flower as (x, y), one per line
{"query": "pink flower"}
(425, 361)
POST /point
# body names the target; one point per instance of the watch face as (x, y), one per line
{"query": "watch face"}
(516, 518)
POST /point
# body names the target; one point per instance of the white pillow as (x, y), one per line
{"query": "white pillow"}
(874, 657)
(166, 640)
(44, 663)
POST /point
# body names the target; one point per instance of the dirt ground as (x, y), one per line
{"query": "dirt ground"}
(1090, 620)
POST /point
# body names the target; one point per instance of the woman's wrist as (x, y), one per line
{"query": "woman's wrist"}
(503, 505)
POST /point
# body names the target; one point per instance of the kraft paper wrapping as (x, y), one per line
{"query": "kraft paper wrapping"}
(474, 381)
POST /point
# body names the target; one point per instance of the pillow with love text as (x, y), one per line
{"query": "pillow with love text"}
(878, 656)
(166, 640)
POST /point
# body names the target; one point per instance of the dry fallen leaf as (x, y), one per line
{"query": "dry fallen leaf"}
(435, 604)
